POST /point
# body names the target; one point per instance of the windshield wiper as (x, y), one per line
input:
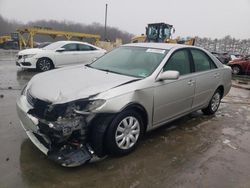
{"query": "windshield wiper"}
(107, 70)
(88, 65)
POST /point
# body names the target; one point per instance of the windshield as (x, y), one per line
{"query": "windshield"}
(132, 61)
(159, 32)
(53, 46)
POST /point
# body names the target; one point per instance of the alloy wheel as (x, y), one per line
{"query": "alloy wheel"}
(215, 101)
(236, 70)
(44, 65)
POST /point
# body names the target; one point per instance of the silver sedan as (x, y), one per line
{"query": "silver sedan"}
(78, 114)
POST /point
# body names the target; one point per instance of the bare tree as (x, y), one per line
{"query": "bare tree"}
(6, 27)
(226, 44)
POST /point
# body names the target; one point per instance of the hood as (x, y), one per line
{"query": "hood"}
(68, 84)
(236, 61)
(30, 51)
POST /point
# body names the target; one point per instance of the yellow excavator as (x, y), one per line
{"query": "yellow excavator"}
(160, 32)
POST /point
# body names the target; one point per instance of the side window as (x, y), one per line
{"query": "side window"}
(201, 61)
(83, 47)
(179, 61)
(70, 47)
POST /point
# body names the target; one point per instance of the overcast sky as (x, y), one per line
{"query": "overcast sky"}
(205, 18)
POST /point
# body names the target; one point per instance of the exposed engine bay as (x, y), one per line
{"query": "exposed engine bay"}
(63, 129)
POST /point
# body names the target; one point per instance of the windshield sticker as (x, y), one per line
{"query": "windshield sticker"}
(143, 75)
(156, 51)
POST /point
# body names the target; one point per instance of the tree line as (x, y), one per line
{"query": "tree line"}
(7, 27)
(227, 44)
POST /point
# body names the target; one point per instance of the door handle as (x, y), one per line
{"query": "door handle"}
(191, 82)
(216, 75)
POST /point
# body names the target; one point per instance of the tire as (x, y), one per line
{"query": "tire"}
(124, 133)
(236, 69)
(213, 104)
(44, 64)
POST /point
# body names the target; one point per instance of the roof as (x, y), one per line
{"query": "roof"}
(69, 41)
(166, 46)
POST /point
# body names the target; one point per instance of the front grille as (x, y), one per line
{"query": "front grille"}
(31, 100)
(40, 107)
(26, 63)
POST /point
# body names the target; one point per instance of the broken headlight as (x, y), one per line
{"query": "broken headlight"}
(73, 109)
(83, 107)
(69, 116)
(94, 104)
(28, 56)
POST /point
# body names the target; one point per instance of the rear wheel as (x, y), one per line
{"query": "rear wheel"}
(236, 69)
(124, 133)
(213, 104)
(44, 64)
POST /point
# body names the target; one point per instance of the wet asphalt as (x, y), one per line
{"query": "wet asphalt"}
(193, 151)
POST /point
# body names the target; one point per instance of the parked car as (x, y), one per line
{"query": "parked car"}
(76, 114)
(58, 54)
(223, 57)
(9, 45)
(235, 57)
(240, 66)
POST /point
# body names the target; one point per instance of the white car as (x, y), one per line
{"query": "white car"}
(58, 54)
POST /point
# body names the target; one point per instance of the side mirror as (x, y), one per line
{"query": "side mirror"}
(60, 50)
(168, 75)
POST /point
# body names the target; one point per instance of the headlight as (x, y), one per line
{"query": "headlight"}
(77, 107)
(28, 56)
(92, 105)
(88, 107)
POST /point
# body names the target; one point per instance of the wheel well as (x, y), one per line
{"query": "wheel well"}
(141, 110)
(221, 89)
(48, 59)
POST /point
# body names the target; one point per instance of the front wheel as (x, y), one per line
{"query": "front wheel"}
(124, 133)
(236, 69)
(44, 64)
(213, 104)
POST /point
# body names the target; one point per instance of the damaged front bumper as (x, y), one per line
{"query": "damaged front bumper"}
(68, 153)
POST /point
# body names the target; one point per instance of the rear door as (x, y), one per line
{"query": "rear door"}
(174, 97)
(207, 77)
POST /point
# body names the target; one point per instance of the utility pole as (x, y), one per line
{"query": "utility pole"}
(105, 33)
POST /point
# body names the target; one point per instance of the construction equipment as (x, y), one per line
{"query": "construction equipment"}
(160, 32)
(32, 31)
(4, 38)
(24, 37)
